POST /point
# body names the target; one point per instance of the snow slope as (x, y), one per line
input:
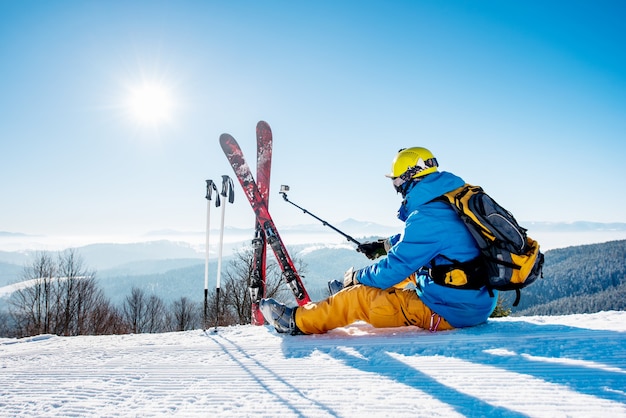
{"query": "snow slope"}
(571, 366)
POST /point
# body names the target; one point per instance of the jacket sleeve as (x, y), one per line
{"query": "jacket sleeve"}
(434, 229)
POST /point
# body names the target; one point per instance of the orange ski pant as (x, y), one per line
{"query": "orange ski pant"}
(381, 308)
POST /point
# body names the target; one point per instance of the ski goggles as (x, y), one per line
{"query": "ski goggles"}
(421, 165)
(397, 183)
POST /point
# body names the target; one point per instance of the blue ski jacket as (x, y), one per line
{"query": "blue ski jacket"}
(432, 229)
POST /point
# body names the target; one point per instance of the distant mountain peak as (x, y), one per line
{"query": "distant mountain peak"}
(14, 234)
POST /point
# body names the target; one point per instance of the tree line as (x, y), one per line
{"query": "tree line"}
(613, 299)
(581, 279)
(59, 295)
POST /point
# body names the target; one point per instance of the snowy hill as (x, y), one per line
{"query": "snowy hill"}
(571, 366)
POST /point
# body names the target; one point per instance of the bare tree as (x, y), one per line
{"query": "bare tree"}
(134, 310)
(237, 301)
(61, 298)
(75, 293)
(89, 299)
(217, 314)
(105, 319)
(184, 315)
(144, 313)
(7, 328)
(155, 315)
(31, 306)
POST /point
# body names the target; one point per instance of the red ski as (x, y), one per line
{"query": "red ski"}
(259, 206)
(259, 244)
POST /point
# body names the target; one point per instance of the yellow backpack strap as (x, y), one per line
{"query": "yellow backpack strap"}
(459, 198)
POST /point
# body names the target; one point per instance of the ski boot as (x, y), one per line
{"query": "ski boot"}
(280, 316)
(334, 286)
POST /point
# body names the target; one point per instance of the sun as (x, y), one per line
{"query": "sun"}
(151, 104)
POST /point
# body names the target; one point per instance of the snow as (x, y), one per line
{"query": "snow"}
(6, 291)
(562, 366)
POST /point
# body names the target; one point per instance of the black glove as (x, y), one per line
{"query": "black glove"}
(373, 250)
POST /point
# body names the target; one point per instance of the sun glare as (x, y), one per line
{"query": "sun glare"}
(151, 104)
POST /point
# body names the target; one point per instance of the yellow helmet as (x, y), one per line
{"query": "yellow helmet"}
(411, 163)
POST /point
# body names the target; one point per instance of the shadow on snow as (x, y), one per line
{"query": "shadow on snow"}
(557, 354)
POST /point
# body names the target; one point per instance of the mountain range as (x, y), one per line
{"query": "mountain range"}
(175, 267)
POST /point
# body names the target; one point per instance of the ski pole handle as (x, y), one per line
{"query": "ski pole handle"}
(228, 188)
(210, 188)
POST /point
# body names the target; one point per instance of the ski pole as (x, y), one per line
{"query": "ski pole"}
(283, 191)
(227, 192)
(210, 187)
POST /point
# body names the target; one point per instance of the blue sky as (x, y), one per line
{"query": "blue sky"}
(527, 99)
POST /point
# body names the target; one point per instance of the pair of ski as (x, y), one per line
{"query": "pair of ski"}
(266, 233)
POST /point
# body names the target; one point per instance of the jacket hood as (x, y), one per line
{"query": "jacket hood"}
(432, 186)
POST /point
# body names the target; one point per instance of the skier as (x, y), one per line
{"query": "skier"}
(434, 236)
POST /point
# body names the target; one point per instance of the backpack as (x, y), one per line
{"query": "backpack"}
(509, 260)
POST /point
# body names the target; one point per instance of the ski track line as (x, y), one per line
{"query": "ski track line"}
(253, 371)
(298, 392)
(152, 386)
(451, 371)
(272, 382)
(134, 380)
